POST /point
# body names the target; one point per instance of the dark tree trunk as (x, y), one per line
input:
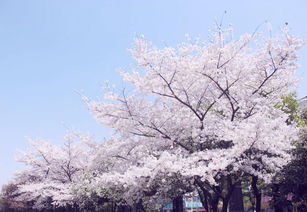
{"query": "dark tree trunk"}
(236, 199)
(277, 199)
(206, 204)
(123, 208)
(214, 203)
(257, 193)
(138, 207)
(178, 204)
(225, 204)
(204, 200)
(209, 200)
(113, 207)
(278, 208)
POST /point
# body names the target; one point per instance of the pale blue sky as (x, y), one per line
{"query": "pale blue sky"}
(51, 49)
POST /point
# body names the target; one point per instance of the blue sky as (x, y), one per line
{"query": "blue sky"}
(51, 49)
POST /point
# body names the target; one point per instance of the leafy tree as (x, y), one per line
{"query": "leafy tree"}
(290, 184)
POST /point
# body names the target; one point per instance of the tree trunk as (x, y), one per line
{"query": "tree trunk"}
(236, 199)
(204, 200)
(278, 208)
(209, 201)
(257, 193)
(225, 204)
(178, 204)
(214, 204)
(276, 198)
(138, 207)
(123, 208)
(206, 204)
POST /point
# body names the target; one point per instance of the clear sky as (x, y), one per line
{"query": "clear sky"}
(49, 49)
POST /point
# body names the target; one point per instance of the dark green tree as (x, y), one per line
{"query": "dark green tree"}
(290, 185)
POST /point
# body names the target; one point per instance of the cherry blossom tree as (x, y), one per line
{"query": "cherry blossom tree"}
(117, 176)
(200, 116)
(51, 170)
(204, 113)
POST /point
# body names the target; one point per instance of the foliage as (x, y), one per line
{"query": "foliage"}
(290, 185)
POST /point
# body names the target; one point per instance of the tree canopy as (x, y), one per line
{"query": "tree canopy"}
(198, 117)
